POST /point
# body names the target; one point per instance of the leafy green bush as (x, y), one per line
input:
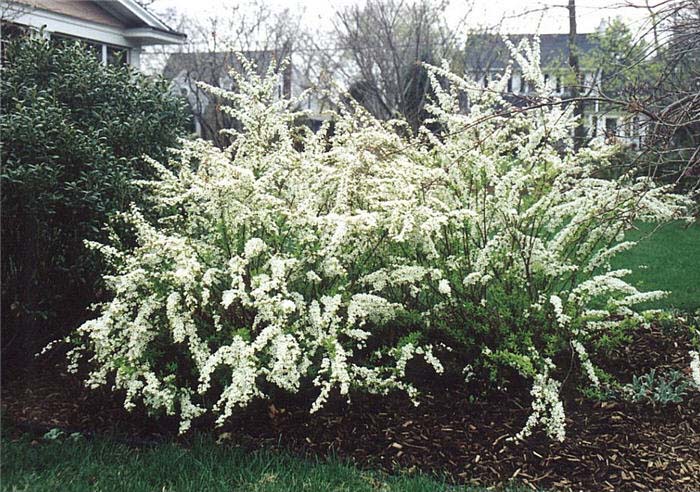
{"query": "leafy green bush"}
(73, 133)
(483, 250)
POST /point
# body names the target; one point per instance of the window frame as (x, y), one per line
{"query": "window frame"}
(101, 48)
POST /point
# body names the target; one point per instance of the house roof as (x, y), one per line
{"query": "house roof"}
(136, 23)
(489, 51)
(135, 12)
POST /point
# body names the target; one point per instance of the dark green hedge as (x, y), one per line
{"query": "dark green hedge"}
(73, 134)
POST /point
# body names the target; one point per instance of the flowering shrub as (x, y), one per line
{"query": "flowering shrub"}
(295, 260)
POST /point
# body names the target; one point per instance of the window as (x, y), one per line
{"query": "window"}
(558, 82)
(90, 46)
(8, 32)
(280, 85)
(510, 84)
(594, 126)
(107, 54)
(117, 56)
(611, 126)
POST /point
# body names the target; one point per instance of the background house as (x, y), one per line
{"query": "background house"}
(213, 68)
(486, 57)
(116, 30)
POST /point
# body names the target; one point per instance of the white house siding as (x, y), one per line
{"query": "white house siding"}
(79, 9)
(88, 21)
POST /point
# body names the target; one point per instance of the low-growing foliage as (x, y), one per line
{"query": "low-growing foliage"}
(658, 388)
(294, 260)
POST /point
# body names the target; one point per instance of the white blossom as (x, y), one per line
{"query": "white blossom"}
(444, 287)
(695, 367)
(254, 247)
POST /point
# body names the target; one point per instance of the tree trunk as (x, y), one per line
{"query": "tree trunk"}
(579, 133)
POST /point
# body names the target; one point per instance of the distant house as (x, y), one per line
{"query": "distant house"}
(213, 68)
(116, 30)
(487, 55)
(186, 69)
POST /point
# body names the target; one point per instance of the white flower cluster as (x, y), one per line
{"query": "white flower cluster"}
(695, 367)
(585, 362)
(282, 259)
(547, 408)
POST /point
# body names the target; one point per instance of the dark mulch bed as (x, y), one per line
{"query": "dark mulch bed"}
(609, 446)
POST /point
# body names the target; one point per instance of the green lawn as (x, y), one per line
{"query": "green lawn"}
(104, 465)
(672, 258)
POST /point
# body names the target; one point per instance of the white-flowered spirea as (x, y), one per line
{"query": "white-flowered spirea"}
(562, 319)
(547, 409)
(695, 367)
(254, 247)
(292, 257)
(585, 362)
(444, 287)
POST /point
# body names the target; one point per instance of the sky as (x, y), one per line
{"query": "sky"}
(484, 13)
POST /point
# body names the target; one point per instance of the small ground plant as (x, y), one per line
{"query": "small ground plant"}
(658, 389)
(295, 260)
